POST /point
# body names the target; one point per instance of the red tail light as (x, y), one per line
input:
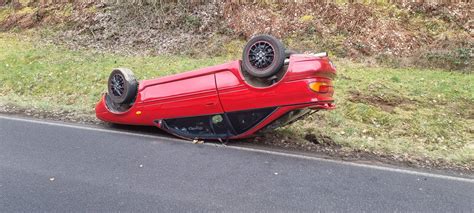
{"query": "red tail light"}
(320, 86)
(323, 87)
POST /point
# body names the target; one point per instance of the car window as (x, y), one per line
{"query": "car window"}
(209, 126)
(287, 118)
(219, 125)
(245, 120)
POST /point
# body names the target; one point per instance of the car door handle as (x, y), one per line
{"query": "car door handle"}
(211, 104)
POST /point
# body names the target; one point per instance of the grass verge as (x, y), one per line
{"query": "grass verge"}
(404, 113)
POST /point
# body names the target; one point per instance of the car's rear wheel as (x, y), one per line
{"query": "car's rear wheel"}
(263, 56)
(122, 86)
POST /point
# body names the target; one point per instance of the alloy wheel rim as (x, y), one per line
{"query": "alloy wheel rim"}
(261, 54)
(118, 85)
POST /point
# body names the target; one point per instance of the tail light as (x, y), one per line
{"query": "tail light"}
(321, 87)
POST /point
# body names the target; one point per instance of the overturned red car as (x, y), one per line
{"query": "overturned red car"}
(270, 87)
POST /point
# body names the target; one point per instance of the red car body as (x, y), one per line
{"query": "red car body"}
(182, 104)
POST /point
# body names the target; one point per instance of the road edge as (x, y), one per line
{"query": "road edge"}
(458, 177)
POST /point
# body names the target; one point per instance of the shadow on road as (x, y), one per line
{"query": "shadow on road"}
(151, 130)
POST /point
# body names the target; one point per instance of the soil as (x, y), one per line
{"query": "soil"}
(36, 16)
(387, 104)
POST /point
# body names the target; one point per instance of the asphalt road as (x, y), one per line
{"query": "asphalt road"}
(55, 167)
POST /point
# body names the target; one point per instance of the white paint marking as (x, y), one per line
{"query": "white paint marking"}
(98, 129)
(382, 168)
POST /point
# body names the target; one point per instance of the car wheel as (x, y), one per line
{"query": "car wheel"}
(122, 86)
(263, 56)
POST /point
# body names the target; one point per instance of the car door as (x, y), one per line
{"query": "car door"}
(236, 95)
(189, 97)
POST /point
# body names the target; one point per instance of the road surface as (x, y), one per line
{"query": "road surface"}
(49, 166)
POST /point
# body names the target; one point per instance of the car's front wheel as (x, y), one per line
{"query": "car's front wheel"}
(122, 86)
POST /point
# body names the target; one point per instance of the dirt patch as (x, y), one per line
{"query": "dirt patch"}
(311, 142)
(386, 103)
(321, 140)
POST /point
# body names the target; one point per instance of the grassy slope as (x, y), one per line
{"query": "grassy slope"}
(421, 113)
(407, 112)
(31, 72)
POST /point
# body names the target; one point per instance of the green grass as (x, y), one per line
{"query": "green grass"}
(75, 79)
(423, 113)
(406, 112)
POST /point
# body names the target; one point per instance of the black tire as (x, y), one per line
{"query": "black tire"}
(263, 56)
(122, 86)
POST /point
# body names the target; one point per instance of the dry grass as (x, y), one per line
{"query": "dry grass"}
(399, 35)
